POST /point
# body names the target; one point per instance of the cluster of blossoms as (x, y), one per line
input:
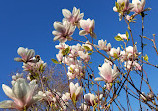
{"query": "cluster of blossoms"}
(22, 93)
(69, 55)
(124, 7)
(64, 29)
(76, 58)
(31, 62)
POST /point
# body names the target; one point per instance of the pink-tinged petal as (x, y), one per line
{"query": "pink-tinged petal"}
(81, 16)
(91, 25)
(71, 30)
(78, 92)
(17, 90)
(8, 91)
(99, 79)
(21, 51)
(62, 39)
(59, 27)
(87, 98)
(106, 72)
(74, 10)
(83, 32)
(143, 3)
(56, 38)
(30, 54)
(7, 104)
(66, 13)
(83, 24)
(72, 88)
(56, 33)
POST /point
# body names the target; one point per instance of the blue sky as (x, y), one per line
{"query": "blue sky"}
(29, 24)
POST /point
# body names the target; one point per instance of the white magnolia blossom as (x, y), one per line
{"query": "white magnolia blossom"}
(84, 55)
(34, 67)
(61, 46)
(65, 97)
(88, 27)
(130, 64)
(84, 107)
(87, 44)
(90, 99)
(102, 45)
(123, 36)
(76, 90)
(138, 6)
(107, 73)
(25, 53)
(114, 52)
(123, 9)
(22, 95)
(63, 31)
(73, 17)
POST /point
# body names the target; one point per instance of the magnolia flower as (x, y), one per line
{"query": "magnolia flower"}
(102, 45)
(48, 96)
(76, 90)
(114, 52)
(84, 56)
(138, 6)
(90, 99)
(123, 7)
(22, 95)
(25, 53)
(84, 107)
(34, 67)
(129, 65)
(131, 50)
(15, 77)
(65, 97)
(71, 75)
(73, 17)
(88, 27)
(123, 36)
(126, 6)
(87, 44)
(63, 31)
(107, 73)
(59, 56)
(61, 46)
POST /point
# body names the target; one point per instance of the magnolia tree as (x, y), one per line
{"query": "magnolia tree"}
(85, 90)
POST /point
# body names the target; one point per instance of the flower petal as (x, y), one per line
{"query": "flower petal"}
(66, 13)
(8, 91)
(7, 104)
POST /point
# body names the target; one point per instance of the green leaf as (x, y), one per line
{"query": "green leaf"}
(146, 58)
(127, 35)
(115, 55)
(118, 38)
(41, 68)
(95, 104)
(66, 51)
(123, 5)
(117, 6)
(74, 98)
(86, 48)
(90, 53)
(55, 61)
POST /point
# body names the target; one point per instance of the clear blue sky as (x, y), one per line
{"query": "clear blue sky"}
(29, 23)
